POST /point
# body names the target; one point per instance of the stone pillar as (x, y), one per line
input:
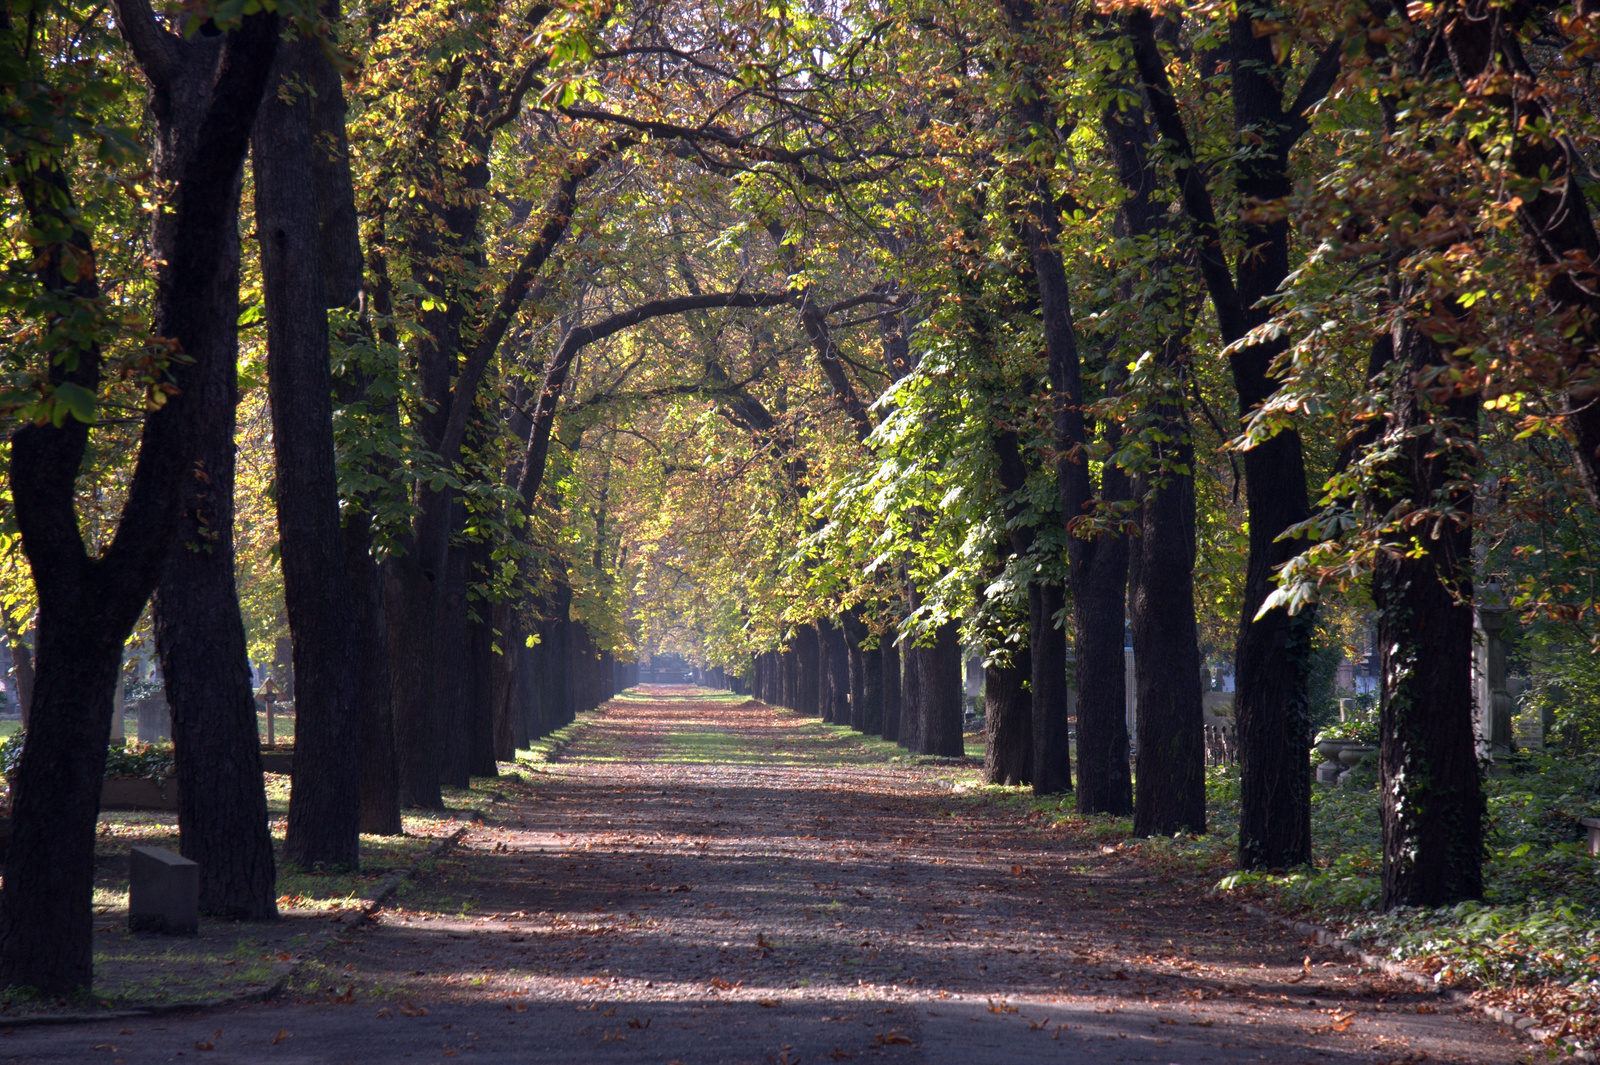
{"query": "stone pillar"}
(1492, 701)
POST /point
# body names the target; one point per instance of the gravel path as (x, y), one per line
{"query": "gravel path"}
(703, 880)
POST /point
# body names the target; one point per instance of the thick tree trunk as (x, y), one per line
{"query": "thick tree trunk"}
(1049, 740)
(380, 780)
(484, 676)
(1007, 720)
(834, 673)
(805, 693)
(453, 689)
(205, 93)
(1105, 784)
(504, 717)
(410, 613)
(940, 694)
(222, 805)
(324, 807)
(1433, 806)
(1272, 658)
(893, 697)
(866, 676)
(910, 730)
(1166, 653)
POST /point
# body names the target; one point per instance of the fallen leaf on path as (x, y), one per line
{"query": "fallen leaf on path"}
(893, 1036)
(767, 1002)
(838, 1055)
(1001, 1007)
(387, 1012)
(124, 1031)
(612, 1012)
(636, 1023)
(284, 1033)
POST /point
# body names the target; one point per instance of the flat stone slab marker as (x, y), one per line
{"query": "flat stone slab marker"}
(163, 892)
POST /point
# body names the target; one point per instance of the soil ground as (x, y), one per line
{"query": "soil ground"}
(703, 879)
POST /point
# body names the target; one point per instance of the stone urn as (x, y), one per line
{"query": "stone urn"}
(1353, 754)
(1328, 772)
(1329, 749)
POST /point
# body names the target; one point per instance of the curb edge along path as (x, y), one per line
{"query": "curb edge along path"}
(1523, 1025)
(319, 942)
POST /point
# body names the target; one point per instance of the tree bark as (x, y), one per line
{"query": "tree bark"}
(1433, 806)
(1166, 654)
(453, 690)
(324, 806)
(834, 673)
(940, 694)
(1166, 650)
(805, 694)
(379, 787)
(910, 730)
(1007, 720)
(87, 607)
(222, 804)
(1050, 771)
(1272, 660)
(893, 697)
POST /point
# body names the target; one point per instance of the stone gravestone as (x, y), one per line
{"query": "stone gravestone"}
(155, 718)
(163, 892)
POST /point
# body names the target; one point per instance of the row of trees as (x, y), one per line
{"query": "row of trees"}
(811, 344)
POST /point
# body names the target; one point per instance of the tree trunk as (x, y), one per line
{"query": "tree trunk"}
(806, 695)
(222, 805)
(410, 615)
(833, 684)
(1433, 806)
(910, 697)
(893, 697)
(1272, 658)
(453, 686)
(380, 780)
(324, 807)
(1166, 651)
(1007, 720)
(504, 716)
(940, 695)
(1049, 739)
(205, 92)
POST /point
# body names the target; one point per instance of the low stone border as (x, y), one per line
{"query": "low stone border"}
(1525, 1025)
(368, 907)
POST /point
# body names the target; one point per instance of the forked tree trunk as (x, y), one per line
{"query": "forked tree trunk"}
(205, 92)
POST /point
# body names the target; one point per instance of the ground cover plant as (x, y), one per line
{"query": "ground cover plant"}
(1531, 945)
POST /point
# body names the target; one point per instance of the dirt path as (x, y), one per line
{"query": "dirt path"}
(702, 881)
